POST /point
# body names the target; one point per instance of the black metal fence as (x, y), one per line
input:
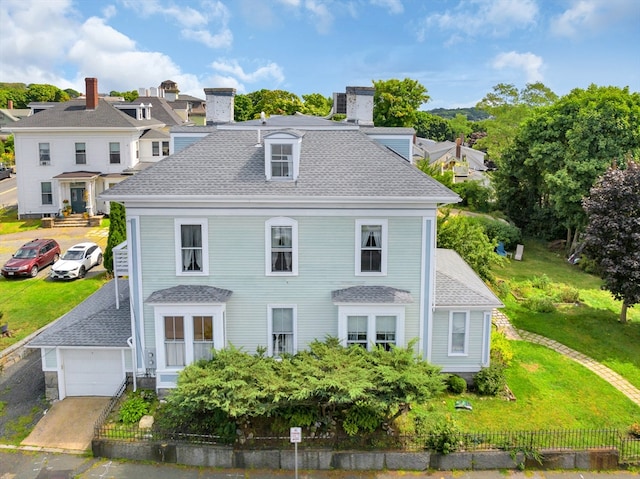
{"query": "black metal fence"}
(517, 441)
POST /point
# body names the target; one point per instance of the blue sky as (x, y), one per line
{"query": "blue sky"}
(457, 49)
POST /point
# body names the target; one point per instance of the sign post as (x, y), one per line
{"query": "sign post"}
(296, 437)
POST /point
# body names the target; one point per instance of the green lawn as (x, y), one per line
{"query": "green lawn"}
(590, 327)
(9, 222)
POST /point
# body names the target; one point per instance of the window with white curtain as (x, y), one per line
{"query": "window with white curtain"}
(191, 247)
(371, 326)
(202, 337)
(282, 330)
(174, 341)
(458, 333)
(371, 247)
(281, 252)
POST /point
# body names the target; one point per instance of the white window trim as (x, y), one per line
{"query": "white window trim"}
(270, 308)
(466, 333)
(281, 138)
(187, 312)
(281, 221)
(358, 246)
(204, 224)
(371, 311)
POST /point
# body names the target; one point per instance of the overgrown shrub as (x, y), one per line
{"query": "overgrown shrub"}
(499, 230)
(501, 350)
(490, 381)
(456, 384)
(539, 304)
(502, 289)
(445, 437)
(541, 282)
(474, 195)
(566, 294)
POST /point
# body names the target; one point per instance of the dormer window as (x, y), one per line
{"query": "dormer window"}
(282, 156)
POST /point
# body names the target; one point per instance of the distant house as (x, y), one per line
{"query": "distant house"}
(466, 163)
(10, 115)
(77, 149)
(269, 234)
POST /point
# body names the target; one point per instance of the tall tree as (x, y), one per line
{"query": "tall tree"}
(432, 127)
(613, 234)
(127, 95)
(508, 108)
(44, 92)
(559, 152)
(117, 233)
(396, 102)
(316, 104)
(275, 102)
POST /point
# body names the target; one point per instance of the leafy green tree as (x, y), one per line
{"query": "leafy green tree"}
(44, 92)
(396, 102)
(17, 95)
(558, 154)
(613, 233)
(432, 127)
(469, 240)
(127, 95)
(316, 104)
(275, 102)
(460, 126)
(72, 93)
(243, 109)
(436, 172)
(508, 109)
(117, 233)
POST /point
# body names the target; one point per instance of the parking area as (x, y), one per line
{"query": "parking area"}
(66, 237)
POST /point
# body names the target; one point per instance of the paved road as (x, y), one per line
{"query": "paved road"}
(45, 465)
(8, 192)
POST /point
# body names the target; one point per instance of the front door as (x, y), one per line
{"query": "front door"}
(78, 204)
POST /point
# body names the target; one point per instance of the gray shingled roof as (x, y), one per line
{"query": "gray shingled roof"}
(74, 114)
(190, 294)
(154, 134)
(94, 322)
(160, 110)
(371, 294)
(334, 164)
(295, 121)
(458, 285)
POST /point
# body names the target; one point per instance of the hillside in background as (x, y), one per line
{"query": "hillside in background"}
(472, 114)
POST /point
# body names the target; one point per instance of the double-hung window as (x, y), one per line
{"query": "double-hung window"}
(192, 255)
(281, 253)
(282, 161)
(44, 152)
(81, 154)
(46, 192)
(114, 152)
(371, 247)
(282, 330)
(155, 148)
(174, 341)
(458, 333)
(202, 337)
(165, 148)
(371, 326)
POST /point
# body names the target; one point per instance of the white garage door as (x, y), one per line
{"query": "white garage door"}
(92, 372)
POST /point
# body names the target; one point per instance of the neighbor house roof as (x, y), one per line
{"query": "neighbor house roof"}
(160, 110)
(445, 150)
(74, 114)
(334, 164)
(94, 322)
(457, 285)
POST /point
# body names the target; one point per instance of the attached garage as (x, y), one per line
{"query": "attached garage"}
(92, 372)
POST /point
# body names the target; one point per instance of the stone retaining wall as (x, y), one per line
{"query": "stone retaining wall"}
(315, 459)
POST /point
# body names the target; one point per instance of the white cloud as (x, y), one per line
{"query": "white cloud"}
(222, 39)
(321, 15)
(475, 17)
(394, 6)
(232, 67)
(528, 62)
(589, 16)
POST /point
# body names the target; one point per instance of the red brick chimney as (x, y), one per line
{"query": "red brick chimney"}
(92, 93)
(10, 104)
(459, 147)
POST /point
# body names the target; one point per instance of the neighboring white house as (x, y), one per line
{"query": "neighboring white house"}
(77, 149)
(273, 233)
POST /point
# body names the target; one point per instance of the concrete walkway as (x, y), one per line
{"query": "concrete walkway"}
(625, 387)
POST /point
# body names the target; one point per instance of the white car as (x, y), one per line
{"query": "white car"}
(77, 261)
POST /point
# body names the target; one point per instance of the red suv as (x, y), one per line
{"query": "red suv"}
(31, 257)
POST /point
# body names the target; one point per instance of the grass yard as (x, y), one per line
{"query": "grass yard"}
(591, 326)
(552, 392)
(9, 222)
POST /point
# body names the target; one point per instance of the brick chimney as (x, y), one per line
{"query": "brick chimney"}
(360, 104)
(220, 104)
(10, 104)
(458, 148)
(92, 93)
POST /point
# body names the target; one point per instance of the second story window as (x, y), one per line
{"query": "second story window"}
(114, 152)
(165, 148)
(281, 161)
(191, 252)
(81, 154)
(371, 247)
(155, 148)
(281, 254)
(45, 157)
